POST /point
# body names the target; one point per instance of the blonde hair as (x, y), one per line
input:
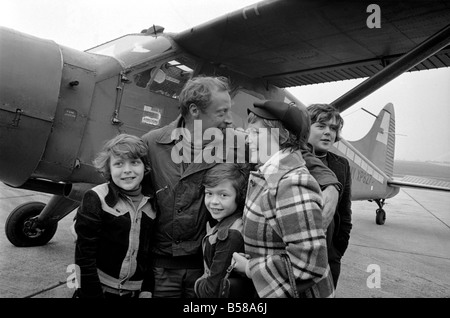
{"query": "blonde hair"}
(198, 91)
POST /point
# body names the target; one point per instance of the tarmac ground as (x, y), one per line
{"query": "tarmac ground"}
(407, 257)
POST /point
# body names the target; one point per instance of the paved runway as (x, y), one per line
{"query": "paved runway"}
(409, 256)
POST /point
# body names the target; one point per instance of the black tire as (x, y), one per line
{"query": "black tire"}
(381, 217)
(19, 234)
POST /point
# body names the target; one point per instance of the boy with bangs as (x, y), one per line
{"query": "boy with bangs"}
(225, 189)
(326, 125)
(114, 224)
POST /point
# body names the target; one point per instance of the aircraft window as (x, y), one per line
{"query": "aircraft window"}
(340, 145)
(143, 79)
(133, 49)
(378, 177)
(350, 154)
(358, 160)
(171, 77)
(364, 166)
(181, 66)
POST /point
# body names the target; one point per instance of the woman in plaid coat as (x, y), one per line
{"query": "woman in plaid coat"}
(283, 231)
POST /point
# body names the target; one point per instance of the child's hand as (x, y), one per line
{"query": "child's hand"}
(241, 262)
(247, 256)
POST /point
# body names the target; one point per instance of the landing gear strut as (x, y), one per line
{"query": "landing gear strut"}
(381, 214)
(21, 226)
(35, 223)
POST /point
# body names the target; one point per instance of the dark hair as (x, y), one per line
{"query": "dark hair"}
(198, 90)
(324, 112)
(123, 146)
(237, 173)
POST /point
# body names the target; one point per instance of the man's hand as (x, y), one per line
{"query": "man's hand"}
(330, 200)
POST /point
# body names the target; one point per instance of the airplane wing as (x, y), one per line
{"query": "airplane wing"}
(420, 183)
(300, 42)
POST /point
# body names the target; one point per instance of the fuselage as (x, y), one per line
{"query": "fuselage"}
(59, 105)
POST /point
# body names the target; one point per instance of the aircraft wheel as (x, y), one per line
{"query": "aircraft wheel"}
(19, 223)
(381, 217)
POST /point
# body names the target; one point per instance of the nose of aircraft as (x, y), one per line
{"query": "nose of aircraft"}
(30, 76)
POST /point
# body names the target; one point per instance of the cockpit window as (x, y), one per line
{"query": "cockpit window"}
(142, 79)
(133, 49)
(169, 79)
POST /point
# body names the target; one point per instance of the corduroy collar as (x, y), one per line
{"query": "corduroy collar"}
(114, 193)
(224, 225)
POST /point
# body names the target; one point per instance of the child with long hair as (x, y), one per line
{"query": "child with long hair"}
(225, 189)
(114, 223)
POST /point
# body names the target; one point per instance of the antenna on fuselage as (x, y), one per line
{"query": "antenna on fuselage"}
(369, 112)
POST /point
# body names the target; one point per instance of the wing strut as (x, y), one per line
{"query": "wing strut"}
(421, 52)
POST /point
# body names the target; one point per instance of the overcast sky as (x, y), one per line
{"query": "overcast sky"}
(421, 99)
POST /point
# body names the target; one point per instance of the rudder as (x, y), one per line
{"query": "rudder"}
(378, 145)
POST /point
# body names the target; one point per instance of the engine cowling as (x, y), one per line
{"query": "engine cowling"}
(30, 75)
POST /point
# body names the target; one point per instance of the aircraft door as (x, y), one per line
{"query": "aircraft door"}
(150, 100)
(71, 116)
(29, 66)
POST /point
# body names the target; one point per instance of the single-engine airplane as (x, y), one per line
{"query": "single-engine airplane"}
(58, 105)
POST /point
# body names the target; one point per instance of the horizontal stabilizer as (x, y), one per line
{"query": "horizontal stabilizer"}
(420, 183)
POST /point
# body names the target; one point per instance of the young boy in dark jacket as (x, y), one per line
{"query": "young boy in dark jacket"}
(114, 223)
(225, 188)
(326, 125)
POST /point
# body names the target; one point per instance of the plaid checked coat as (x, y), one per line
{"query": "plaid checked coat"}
(283, 216)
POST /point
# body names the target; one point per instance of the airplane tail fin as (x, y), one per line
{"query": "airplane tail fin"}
(379, 143)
